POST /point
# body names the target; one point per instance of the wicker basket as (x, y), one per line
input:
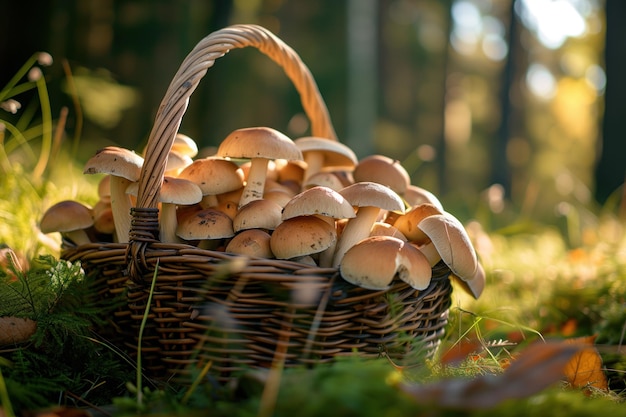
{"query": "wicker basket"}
(242, 313)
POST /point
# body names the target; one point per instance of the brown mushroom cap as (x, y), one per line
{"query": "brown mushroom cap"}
(259, 144)
(383, 170)
(299, 236)
(205, 224)
(258, 214)
(251, 242)
(452, 243)
(375, 261)
(407, 222)
(214, 176)
(70, 218)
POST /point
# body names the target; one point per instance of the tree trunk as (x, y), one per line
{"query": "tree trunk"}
(611, 169)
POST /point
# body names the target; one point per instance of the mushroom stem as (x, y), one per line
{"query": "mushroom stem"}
(356, 229)
(168, 223)
(79, 237)
(120, 205)
(255, 183)
(208, 201)
(314, 162)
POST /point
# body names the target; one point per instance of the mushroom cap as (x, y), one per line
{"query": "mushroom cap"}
(415, 195)
(185, 145)
(258, 214)
(119, 162)
(407, 222)
(174, 190)
(325, 179)
(322, 201)
(383, 170)
(214, 175)
(205, 224)
(474, 286)
(251, 242)
(335, 154)
(452, 242)
(258, 142)
(375, 261)
(66, 216)
(179, 191)
(303, 235)
(372, 194)
(385, 229)
(177, 161)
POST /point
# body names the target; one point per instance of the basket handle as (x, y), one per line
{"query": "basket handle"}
(191, 71)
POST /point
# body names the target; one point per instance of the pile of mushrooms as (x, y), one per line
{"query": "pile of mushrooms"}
(265, 195)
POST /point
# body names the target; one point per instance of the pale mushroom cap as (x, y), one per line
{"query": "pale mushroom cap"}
(205, 224)
(299, 236)
(321, 201)
(116, 161)
(452, 242)
(324, 179)
(372, 194)
(385, 229)
(335, 154)
(415, 195)
(383, 170)
(476, 285)
(251, 242)
(258, 142)
(66, 216)
(407, 222)
(214, 175)
(185, 145)
(179, 191)
(258, 214)
(375, 261)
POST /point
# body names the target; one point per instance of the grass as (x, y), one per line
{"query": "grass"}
(545, 280)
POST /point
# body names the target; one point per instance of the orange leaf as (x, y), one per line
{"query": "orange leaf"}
(584, 369)
(537, 367)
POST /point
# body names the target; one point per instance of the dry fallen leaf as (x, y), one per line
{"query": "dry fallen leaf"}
(15, 330)
(584, 370)
(537, 367)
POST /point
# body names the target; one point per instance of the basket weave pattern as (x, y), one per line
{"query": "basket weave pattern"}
(239, 312)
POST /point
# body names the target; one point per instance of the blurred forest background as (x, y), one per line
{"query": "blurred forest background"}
(501, 105)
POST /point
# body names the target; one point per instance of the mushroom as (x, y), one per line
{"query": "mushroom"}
(174, 192)
(453, 244)
(407, 222)
(176, 162)
(385, 229)
(370, 198)
(208, 226)
(319, 152)
(322, 202)
(259, 144)
(185, 145)
(325, 179)
(70, 218)
(300, 236)
(415, 195)
(258, 214)
(375, 261)
(383, 170)
(214, 176)
(251, 242)
(124, 166)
